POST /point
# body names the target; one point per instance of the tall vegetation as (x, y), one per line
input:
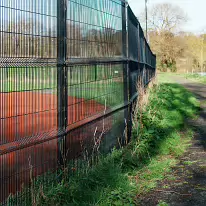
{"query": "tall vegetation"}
(175, 50)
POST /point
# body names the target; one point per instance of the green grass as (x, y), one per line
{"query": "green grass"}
(120, 177)
(27, 78)
(99, 91)
(83, 82)
(196, 78)
(31, 78)
(164, 77)
(162, 203)
(189, 162)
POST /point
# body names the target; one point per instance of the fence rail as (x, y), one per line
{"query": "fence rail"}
(68, 74)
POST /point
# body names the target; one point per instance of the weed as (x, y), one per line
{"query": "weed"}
(166, 186)
(188, 162)
(162, 203)
(171, 178)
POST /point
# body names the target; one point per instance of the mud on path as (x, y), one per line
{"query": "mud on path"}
(186, 184)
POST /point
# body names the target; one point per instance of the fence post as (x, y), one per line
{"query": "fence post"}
(126, 73)
(61, 80)
(155, 65)
(144, 62)
(139, 53)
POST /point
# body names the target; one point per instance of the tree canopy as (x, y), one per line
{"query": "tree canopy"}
(171, 45)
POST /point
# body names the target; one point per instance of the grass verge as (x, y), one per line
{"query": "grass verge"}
(120, 177)
(196, 78)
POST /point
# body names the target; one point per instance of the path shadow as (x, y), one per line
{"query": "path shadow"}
(199, 90)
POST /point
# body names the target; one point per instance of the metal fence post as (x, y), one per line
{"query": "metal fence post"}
(144, 61)
(139, 53)
(155, 65)
(127, 113)
(61, 79)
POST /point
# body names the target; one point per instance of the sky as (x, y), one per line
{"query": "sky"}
(195, 10)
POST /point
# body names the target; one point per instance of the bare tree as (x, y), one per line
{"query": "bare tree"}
(101, 43)
(203, 52)
(74, 40)
(168, 48)
(28, 38)
(165, 17)
(164, 20)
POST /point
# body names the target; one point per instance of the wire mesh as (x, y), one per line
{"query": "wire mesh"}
(66, 84)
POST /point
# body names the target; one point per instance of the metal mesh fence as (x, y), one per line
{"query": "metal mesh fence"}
(68, 73)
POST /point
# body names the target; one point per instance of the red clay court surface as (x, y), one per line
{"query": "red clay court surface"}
(26, 114)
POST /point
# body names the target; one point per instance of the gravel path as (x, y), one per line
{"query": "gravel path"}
(186, 185)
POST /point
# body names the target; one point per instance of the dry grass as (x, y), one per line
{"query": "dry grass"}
(141, 104)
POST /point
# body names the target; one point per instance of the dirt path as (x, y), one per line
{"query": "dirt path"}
(186, 184)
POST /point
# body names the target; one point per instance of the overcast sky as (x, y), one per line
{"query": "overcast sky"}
(195, 9)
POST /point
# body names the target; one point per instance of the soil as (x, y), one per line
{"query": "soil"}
(186, 184)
